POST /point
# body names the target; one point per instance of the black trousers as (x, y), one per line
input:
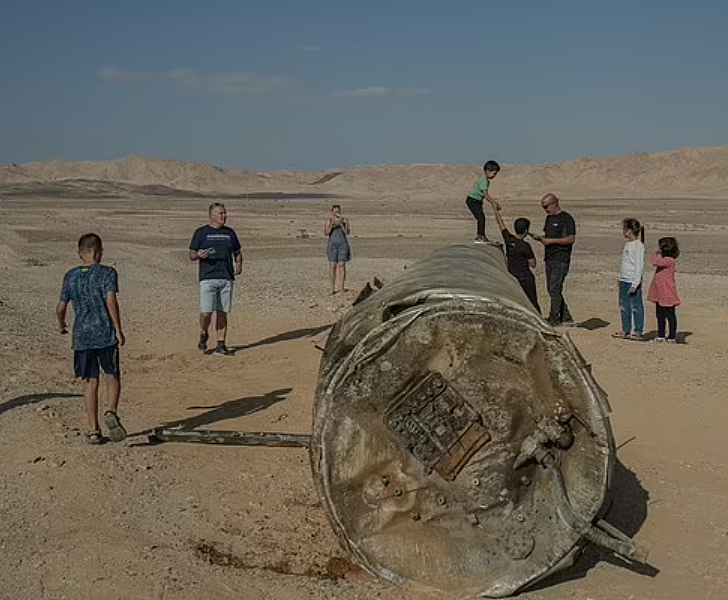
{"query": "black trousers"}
(476, 207)
(556, 272)
(529, 287)
(666, 316)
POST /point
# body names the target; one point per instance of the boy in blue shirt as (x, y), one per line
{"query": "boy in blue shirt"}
(91, 289)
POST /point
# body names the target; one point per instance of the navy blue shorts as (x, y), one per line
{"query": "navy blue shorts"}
(88, 364)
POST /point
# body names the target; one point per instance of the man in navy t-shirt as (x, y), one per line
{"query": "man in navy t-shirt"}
(217, 250)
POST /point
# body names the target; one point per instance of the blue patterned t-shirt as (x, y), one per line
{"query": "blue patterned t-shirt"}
(86, 289)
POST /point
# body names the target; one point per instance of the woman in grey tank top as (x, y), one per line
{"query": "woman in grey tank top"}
(338, 252)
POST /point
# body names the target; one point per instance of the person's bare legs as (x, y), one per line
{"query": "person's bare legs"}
(91, 402)
(341, 276)
(113, 393)
(332, 276)
(221, 327)
(205, 320)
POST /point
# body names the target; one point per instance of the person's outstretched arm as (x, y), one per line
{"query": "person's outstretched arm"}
(496, 213)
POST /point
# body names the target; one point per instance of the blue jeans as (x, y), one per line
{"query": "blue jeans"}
(631, 309)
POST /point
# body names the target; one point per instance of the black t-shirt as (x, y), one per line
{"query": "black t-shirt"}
(518, 253)
(558, 226)
(223, 245)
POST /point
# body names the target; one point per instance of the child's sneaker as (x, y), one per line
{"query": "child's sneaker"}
(94, 437)
(113, 424)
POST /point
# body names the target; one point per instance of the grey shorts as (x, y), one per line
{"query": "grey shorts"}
(337, 252)
(216, 295)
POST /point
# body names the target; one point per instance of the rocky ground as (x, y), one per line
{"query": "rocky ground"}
(183, 521)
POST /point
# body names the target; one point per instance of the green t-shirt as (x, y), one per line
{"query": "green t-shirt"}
(481, 186)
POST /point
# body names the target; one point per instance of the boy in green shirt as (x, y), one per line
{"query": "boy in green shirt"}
(478, 193)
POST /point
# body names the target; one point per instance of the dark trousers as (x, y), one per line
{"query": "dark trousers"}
(556, 272)
(666, 316)
(529, 287)
(476, 207)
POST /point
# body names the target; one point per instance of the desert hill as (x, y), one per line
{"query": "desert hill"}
(682, 172)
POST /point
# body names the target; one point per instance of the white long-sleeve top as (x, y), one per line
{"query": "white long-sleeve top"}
(633, 262)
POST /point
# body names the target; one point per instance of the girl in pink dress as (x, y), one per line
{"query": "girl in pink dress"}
(663, 289)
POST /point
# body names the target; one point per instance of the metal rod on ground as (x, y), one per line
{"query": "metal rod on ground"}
(231, 438)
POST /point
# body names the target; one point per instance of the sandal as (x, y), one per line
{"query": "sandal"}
(113, 424)
(94, 437)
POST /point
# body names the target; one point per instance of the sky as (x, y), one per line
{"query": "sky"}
(288, 84)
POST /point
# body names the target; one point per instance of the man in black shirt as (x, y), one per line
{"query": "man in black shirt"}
(519, 255)
(558, 239)
(215, 247)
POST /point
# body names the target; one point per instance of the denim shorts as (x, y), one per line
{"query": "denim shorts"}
(338, 252)
(216, 295)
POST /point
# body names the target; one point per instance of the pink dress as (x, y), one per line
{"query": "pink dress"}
(663, 289)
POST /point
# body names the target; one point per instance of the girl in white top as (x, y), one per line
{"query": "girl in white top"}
(631, 305)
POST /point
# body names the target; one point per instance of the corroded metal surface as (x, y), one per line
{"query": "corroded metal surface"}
(459, 442)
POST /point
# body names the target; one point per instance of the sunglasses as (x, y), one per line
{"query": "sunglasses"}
(546, 206)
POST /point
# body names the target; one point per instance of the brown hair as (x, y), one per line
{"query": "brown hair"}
(89, 243)
(669, 247)
(635, 227)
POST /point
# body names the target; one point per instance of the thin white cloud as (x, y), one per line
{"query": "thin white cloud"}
(211, 82)
(366, 92)
(380, 92)
(309, 48)
(115, 75)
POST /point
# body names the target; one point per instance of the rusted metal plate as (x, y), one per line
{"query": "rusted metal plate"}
(437, 426)
(449, 421)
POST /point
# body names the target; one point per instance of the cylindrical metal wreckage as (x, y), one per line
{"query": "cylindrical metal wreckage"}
(460, 442)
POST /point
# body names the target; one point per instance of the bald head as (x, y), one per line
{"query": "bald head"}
(550, 203)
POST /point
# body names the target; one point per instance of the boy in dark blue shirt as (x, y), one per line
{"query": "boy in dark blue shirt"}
(519, 254)
(91, 289)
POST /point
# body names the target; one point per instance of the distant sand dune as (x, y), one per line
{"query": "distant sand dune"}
(684, 172)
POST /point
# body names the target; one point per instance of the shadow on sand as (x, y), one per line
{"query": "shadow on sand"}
(33, 398)
(627, 501)
(283, 337)
(593, 324)
(215, 413)
(681, 337)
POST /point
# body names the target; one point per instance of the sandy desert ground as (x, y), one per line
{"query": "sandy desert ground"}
(182, 521)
